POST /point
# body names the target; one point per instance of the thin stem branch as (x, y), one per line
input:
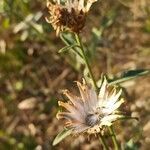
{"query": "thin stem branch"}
(72, 48)
(86, 61)
(101, 138)
(114, 139)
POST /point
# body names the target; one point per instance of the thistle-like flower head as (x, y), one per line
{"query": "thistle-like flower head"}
(91, 112)
(68, 14)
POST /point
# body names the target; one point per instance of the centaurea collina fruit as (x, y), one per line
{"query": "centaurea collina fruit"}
(91, 112)
(68, 14)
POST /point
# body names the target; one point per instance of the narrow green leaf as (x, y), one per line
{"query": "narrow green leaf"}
(62, 135)
(132, 74)
(66, 48)
(128, 117)
(67, 38)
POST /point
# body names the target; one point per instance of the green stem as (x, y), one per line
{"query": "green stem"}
(114, 139)
(101, 138)
(86, 61)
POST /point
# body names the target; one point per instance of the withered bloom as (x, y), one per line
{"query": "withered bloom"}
(91, 112)
(68, 15)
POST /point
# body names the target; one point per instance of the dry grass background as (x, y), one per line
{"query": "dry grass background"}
(32, 73)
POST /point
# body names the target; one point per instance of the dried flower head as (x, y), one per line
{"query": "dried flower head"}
(91, 112)
(68, 15)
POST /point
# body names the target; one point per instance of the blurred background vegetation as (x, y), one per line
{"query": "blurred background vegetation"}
(33, 73)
